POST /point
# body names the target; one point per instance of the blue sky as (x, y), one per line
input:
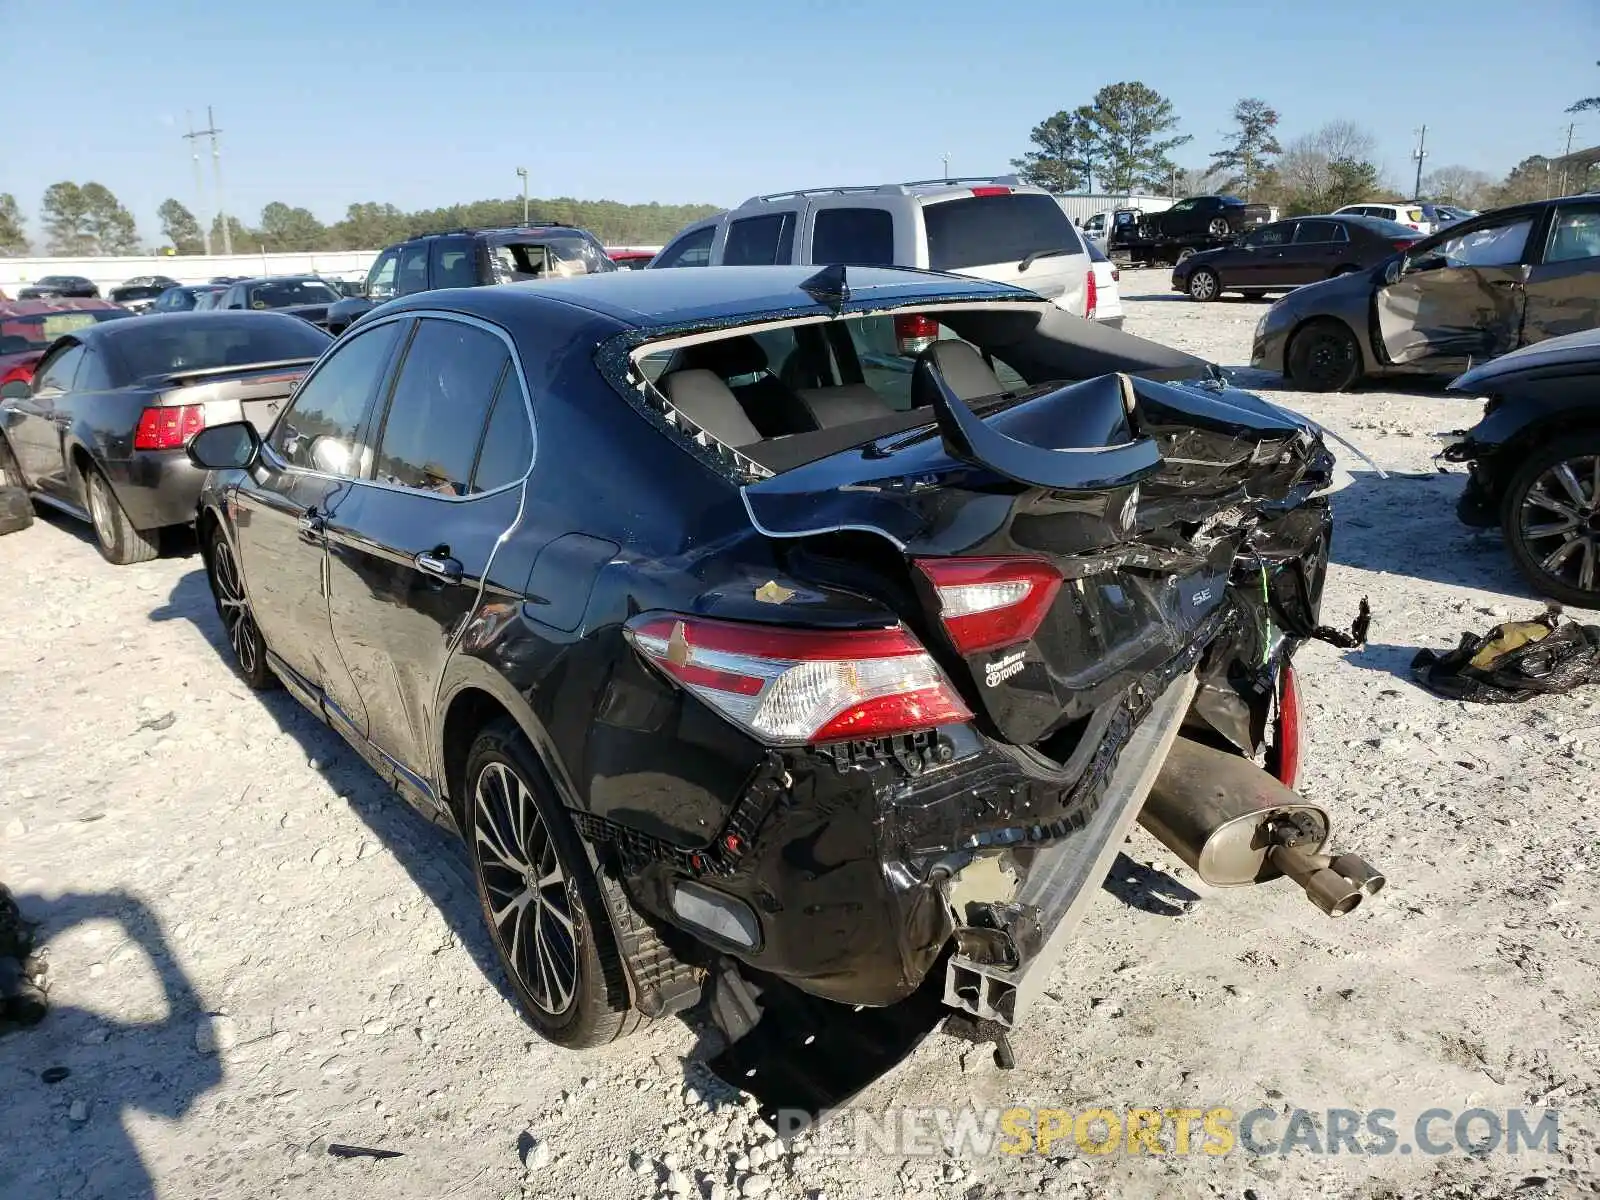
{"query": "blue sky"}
(322, 104)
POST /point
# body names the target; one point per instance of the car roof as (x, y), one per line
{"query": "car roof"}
(149, 321)
(273, 279)
(917, 189)
(34, 308)
(499, 231)
(690, 295)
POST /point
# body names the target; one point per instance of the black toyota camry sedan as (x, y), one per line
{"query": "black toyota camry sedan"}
(1477, 289)
(1289, 254)
(764, 626)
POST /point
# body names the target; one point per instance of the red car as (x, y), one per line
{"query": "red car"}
(631, 260)
(27, 327)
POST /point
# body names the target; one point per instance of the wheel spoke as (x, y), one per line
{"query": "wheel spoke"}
(1558, 558)
(1569, 482)
(1586, 569)
(1539, 532)
(1550, 504)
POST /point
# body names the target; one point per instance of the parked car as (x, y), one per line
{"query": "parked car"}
(662, 643)
(1534, 462)
(58, 287)
(1213, 216)
(187, 298)
(225, 279)
(1474, 291)
(101, 432)
(632, 260)
(27, 327)
(1440, 215)
(474, 258)
(998, 229)
(1412, 214)
(308, 297)
(1288, 254)
(140, 293)
(1105, 305)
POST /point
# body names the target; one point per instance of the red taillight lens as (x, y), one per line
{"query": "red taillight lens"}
(1405, 243)
(1284, 759)
(795, 687)
(169, 428)
(990, 602)
(991, 191)
(1091, 295)
(915, 333)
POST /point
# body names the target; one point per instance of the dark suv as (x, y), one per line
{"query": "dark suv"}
(810, 640)
(473, 258)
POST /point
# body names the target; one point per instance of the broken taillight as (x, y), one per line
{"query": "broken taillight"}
(990, 602)
(914, 333)
(795, 687)
(1091, 295)
(1289, 731)
(169, 428)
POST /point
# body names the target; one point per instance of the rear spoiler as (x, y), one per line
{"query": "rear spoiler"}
(205, 374)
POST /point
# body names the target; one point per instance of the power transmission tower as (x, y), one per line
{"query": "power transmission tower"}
(1420, 153)
(211, 131)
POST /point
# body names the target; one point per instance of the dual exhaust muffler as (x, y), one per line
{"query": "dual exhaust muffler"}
(1233, 824)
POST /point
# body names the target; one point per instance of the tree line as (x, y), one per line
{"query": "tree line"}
(87, 219)
(1125, 140)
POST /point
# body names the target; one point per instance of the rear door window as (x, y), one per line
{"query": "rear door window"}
(988, 230)
(760, 241)
(691, 250)
(854, 237)
(1575, 234)
(453, 264)
(442, 396)
(1318, 231)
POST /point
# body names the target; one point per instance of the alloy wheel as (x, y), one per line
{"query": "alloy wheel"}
(530, 910)
(1202, 285)
(100, 510)
(1560, 521)
(233, 607)
(1219, 227)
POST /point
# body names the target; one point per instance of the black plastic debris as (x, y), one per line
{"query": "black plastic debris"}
(1514, 661)
(22, 972)
(54, 1074)
(338, 1150)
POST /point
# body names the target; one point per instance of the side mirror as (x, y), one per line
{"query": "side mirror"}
(379, 292)
(1395, 269)
(234, 446)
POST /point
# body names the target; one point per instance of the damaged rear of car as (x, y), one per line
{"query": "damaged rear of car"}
(971, 616)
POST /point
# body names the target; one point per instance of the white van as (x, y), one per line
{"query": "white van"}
(999, 229)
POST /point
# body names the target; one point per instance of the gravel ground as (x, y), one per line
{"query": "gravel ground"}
(256, 952)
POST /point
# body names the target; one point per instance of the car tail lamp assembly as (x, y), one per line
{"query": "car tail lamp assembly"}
(991, 191)
(169, 427)
(1091, 295)
(1404, 243)
(914, 333)
(788, 686)
(990, 602)
(1288, 732)
(17, 380)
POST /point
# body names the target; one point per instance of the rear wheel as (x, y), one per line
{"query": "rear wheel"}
(16, 509)
(1324, 357)
(1551, 519)
(1218, 227)
(1204, 284)
(119, 541)
(540, 898)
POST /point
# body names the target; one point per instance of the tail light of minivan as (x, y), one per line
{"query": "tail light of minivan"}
(991, 191)
(1091, 295)
(914, 333)
(791, 686)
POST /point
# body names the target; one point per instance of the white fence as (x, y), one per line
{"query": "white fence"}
(108, 273)
(1081, 207)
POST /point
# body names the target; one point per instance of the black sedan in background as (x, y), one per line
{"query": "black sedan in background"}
(305, 296)
(1475, 290)
(188, 298)
(1289, 254)
(1535, 462)
(102, 430)
(52, 287)
(140, 293)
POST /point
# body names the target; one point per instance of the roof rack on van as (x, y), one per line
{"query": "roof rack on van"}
(883, 189)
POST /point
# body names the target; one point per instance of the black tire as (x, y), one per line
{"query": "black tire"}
(1563, 564)
(1324, 357)
(1219, 227)
(10, 473)
(119, 541)
(1186, 254)
(16, 510)
(569, 976)
(1204, 285)
(233, 609)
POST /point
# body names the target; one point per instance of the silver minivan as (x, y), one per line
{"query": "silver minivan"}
(999, 229)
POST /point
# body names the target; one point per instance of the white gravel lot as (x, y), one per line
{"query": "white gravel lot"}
(194, 849)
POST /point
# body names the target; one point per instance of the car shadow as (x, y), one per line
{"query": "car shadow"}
(73, 1080)
(431, 854)
(1148, 889)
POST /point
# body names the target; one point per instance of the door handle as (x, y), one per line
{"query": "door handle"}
(439, 565)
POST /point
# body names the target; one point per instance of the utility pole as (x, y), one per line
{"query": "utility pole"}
(199, 187)
(211, 131)
(1564, 155)
(1420, 153)
(946, 159)
(522, 173)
